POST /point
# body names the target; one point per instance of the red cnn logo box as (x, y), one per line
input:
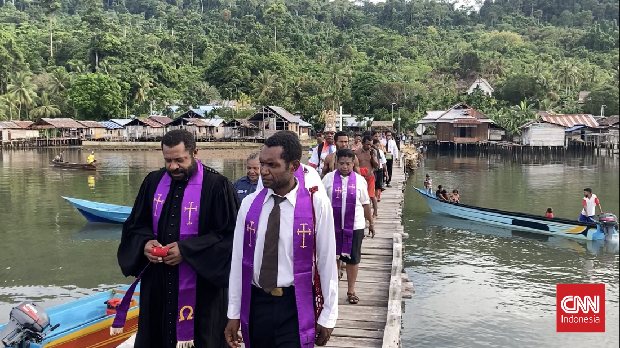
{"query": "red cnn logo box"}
(580, 307)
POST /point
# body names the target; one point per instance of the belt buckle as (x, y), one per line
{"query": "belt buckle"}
(277, 292)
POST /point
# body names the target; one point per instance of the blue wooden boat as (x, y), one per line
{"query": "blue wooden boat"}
(100, 212)
(85, 323)
(521, 221)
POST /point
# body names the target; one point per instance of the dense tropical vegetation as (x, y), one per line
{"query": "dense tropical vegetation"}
(98, 59)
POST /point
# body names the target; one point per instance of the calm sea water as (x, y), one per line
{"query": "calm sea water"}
(482, 286)
(475, 285)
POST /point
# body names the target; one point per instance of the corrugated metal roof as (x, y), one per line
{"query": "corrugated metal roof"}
(164, 120)
(111, 125)
(571, 120)
(23, 124)
(144, 122)
(467, 121)
(208, 122)
(608, 121)
(58, 123)
(8, 125)
(91, 124)
(285, 114)
(121, 121)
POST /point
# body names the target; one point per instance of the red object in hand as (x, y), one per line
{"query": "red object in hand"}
(159, 251)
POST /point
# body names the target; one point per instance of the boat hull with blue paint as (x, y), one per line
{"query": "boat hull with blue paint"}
(518, 221)
(84, 323)
(100, 212)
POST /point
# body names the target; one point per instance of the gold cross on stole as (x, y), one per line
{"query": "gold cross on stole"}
(157, 201)
(250, 228)
(338, 192)
(352, 188)
(303, 232)
(189, 210)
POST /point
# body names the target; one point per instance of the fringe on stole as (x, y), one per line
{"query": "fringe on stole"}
(115, 331)
(346, 255)
(185, 344)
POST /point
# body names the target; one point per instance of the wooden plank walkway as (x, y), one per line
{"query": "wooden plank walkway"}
(375, 321)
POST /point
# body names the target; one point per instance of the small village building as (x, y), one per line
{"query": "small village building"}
(303, 129)
(113, 131)
(58, 127)
(144, 129)
(93, 131)
(611, 125)
(271, 119)
(556, 130)
(163, 120)
(382, 126)
(240, 130)
(481, 84)
(203, 129)
(11, 130)
(351, 124)
(459, 124)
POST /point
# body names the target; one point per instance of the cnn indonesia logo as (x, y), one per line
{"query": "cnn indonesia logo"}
(580, 307)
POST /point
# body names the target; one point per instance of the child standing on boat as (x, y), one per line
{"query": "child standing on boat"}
(428, 184)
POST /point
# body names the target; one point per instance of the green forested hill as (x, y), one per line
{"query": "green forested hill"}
(94, 59)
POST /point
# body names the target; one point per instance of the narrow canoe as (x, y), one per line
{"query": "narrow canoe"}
(85, 324)
(516, 221)
(82, 166)
(100, 212)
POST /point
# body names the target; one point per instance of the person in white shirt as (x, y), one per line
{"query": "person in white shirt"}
(312, 179)
(317, 159)
(390, 154)
(352, 216)
(268, 294)
(381, 174)
(590, 202)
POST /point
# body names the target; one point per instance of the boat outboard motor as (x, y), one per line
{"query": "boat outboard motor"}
(27, 325)
(609, 223)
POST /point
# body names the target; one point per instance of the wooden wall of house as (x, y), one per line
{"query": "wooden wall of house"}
(543, 134)
(448, 132)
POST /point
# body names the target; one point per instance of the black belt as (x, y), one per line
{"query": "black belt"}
(277, 292)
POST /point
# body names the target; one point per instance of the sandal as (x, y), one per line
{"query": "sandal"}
(352, 298)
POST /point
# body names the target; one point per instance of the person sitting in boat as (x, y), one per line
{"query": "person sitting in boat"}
(59, 157)
(442, 194)
(91, 158)
(590, 202)
(549, 213)
(455, 196)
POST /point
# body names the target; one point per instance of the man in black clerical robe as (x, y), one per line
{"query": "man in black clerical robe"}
(209, 255)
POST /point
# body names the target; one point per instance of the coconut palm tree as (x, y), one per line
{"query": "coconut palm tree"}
(265, 85)
(24, 91)
(143, 84)
(568, 74)
(8, 106)
(46, 109)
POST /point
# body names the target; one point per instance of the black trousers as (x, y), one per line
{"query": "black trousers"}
(389, 165)
(273, 320)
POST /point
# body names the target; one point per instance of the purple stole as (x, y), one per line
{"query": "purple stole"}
(303, 242)
(344, 235)
(187, 276)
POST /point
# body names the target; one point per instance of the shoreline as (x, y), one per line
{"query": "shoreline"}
(156, 145)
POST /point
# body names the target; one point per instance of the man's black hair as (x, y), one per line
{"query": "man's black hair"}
(289, 141)
(388, 131)
(587, 189)
(440, 187)
(366, 133)
(345, 153)
(177, 136)
(375, 141)
(366, 138)
(340, 134)
(374, 133)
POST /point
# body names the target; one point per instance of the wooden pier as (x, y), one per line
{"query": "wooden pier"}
(375, 322)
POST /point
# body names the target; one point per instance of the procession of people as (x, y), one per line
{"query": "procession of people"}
(258, 262)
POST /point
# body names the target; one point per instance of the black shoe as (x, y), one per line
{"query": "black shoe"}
(388, 185)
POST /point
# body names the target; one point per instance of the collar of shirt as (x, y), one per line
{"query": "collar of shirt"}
(246, 179)
(291, 196)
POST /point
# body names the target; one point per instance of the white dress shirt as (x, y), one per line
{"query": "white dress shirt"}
(311, 176)
(325, 249)
(319, 159)
(392, 148)
(361, 195)
(382, 159)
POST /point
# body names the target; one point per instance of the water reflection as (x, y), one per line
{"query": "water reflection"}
(480, 285)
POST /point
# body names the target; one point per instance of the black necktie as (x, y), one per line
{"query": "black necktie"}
(268, 279)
